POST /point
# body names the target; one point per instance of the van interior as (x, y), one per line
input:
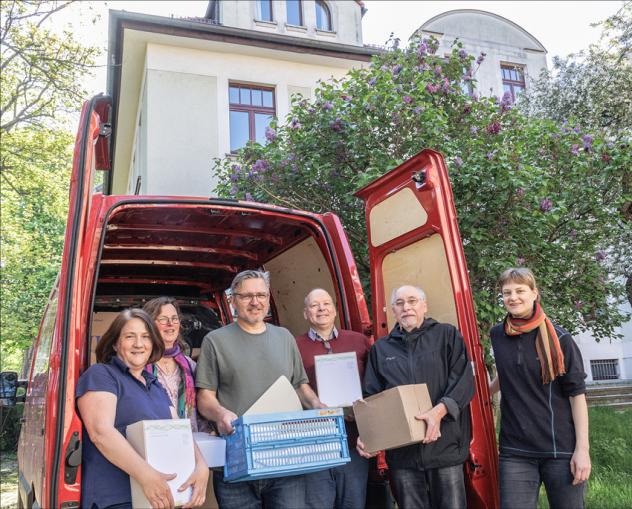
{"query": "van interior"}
(192, 251)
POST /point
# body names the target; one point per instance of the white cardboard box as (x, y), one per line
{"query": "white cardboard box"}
(167, 445)
(338, 379)
(213, 449)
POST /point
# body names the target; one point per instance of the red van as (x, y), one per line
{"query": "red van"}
(122, 250)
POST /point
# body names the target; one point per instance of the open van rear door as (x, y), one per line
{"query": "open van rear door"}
(58, 445)
(414, 239)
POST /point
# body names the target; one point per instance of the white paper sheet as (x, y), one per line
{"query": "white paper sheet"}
(279, 397)
(338, 379)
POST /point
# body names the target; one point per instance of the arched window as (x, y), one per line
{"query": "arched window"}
(323, 16)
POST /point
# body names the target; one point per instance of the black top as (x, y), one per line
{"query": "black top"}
(536, 419)
(433, 354)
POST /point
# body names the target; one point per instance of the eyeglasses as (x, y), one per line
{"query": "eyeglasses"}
(164, 320)
(244, 297)
(325, 305)
(412, 302)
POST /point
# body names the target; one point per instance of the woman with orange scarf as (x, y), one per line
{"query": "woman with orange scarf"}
(544, 416)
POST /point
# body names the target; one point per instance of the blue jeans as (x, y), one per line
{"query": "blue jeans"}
(434, 488)
(276, 493)
(520, 480)
(342, 487)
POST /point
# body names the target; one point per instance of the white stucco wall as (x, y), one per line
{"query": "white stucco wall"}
(502, 41)
(620, 349)
(346, 20)
(186, 114)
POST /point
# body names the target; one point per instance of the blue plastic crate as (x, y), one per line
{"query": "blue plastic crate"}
(283, 444)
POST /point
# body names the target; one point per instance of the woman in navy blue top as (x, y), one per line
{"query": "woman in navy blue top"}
(111, 395)
(544, 416)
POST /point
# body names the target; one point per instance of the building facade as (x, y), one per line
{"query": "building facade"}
(513, 55)
(188, 91)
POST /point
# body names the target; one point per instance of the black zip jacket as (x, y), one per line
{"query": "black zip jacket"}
(433, 354)
(536, 419)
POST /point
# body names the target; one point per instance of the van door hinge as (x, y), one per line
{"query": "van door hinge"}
(73, 459)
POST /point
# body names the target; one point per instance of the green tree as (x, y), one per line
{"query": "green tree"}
(528, 191)
(40, 83)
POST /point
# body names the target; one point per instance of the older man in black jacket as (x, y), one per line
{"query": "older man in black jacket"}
(421, 350)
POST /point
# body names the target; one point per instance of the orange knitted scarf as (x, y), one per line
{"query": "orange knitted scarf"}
(547, 343)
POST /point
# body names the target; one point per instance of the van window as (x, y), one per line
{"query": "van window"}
(42, 356)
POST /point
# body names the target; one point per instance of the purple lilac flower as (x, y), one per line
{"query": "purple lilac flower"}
(520, 192)
(260, 166)
(336, 125)
(473, 129)
(432, 88)
(396, 69)
(600, 255)
(249, 197)
(610, 144)
(437, 70)
(458, 162)
(506, 102)
(270, 134)
(418, 109)
(234, 178)
(467, 109)
(546, 204)
(233, 190)
(575, 150)
(588, 141)
(384, 68)
(422, 49)
(372, 81)
(481, 58)
(328, 106)
(311, 110)
(236, 168)
(520, 261)
(424, 67)
(295, 124)
(490, 155)
(576, 130)
(445, 86)
(407, 99)
(462, 54)
(578, 305)
(494, 127)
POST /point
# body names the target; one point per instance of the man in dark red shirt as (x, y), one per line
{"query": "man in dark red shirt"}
(344, 486)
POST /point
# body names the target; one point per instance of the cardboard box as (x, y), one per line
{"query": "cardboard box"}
(167, 445)
(338, 379)
(101, 321)
(213, 448)
(387, 420)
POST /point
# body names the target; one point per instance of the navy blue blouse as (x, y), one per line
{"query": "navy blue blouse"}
(103, 483)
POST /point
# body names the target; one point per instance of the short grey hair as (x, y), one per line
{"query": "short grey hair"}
(249, 274)
(422, 294)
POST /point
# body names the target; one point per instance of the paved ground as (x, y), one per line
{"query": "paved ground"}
(9, 483)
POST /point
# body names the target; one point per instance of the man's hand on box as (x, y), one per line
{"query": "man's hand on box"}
(197, 480)
(362, 452)
(433, 422)
(224, 424)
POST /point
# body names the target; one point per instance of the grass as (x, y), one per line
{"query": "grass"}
(610, 483)
(9, 482)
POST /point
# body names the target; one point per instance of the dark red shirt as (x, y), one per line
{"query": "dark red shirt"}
(346, 341)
